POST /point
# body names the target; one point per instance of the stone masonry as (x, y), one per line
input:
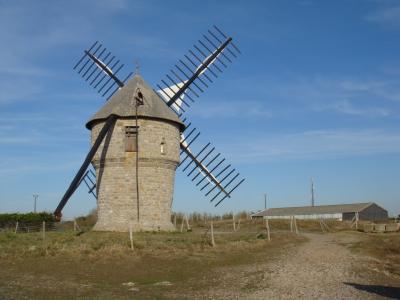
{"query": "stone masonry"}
(158, 142)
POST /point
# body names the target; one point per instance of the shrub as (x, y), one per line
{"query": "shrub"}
(7, 219)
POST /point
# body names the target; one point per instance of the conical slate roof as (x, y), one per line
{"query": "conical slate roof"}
(122, 104)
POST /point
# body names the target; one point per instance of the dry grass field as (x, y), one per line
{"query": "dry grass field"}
(243, 264)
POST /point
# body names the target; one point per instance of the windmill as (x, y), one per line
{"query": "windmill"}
(140, 136)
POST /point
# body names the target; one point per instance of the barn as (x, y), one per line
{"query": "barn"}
(343, 212)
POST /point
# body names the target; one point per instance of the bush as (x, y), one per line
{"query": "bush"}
(7, 219)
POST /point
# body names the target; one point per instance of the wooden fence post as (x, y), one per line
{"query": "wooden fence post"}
(131, 235)
(187, 223)
(212, 235)
(295, 225)
(183, 220)
(74, 224)
(16, 227)
(320, 223)
(238, 225)
(234, 224)
(356, 220)
(267, 226)
(291, 223)
(44, 230)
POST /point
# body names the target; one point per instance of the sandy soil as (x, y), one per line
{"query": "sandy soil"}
(322, 268)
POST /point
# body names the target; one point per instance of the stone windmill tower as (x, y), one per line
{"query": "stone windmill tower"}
(139, 138)
(127, 160)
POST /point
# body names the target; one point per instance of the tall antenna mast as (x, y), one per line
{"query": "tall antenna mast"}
(312, 192)
(265, 201)
(35, 196)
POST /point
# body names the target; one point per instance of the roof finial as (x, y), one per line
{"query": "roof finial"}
(137, 67)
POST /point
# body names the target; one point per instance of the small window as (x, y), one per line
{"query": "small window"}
(131, 133)
(162, 146)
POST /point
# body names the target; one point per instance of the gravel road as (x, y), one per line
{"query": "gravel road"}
(321, 268)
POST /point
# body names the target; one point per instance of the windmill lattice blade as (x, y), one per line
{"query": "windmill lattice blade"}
(97, 68)
(211, 52)
(212, 170)
(90, 181)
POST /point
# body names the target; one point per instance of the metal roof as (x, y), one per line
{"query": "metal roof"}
(122, 104)
(314, 210)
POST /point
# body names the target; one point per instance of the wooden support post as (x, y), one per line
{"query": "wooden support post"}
(131, 235)
(320, 223)
(267, 227)
(233, 220)
(238, 225)
(44, 230)
(16, 227)
(212, 235)
(74, 224)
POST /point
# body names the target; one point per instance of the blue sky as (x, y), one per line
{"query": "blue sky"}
(315, 93)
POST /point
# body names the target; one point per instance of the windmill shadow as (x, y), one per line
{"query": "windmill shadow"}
(390, 292)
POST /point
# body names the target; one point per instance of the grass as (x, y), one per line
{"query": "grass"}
(101, 265)
(97, 264)
(384, 248)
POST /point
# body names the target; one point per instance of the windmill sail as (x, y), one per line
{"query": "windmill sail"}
(177, 106)
(208, 170)
(97, 65)
(212, 53)
(208, 57)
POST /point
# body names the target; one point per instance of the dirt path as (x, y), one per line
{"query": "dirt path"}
(321, 268)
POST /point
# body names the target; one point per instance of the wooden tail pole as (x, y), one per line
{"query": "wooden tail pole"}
(212, 235)
(75, 182)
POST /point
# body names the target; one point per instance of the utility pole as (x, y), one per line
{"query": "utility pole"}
(265, 201)
(35, 196)
(312, 192)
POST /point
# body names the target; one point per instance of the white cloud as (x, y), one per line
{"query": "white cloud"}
(386, 16)
(346, 107)
(231, 109)
(320, 144)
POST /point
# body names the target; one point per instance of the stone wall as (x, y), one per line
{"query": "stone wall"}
(116, 176)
